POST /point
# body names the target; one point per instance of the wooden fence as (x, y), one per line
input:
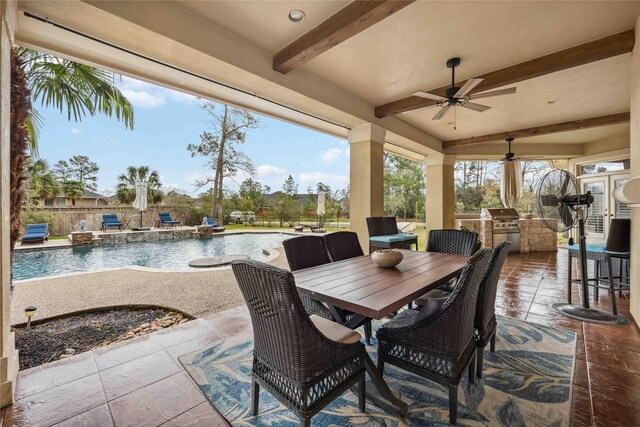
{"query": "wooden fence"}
(66, 220)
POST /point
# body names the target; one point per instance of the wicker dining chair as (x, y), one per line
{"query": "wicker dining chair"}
(453, 242)
(311, 251)
(305, 362)
(485, 320)
(439, 344)
(306, 252)
(343, 245)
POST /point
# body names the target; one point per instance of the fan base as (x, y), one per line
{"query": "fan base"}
(590, 315)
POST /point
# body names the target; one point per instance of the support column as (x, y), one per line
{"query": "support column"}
(635, 171)
(366, 195)
(8, 353)
(440, 203)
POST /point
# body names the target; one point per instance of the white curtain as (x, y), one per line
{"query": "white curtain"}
(511, 183)
(321, 201)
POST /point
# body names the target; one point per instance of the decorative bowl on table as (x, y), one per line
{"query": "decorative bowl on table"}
(386, 258)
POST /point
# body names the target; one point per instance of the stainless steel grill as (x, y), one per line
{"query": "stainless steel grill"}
(505, 225)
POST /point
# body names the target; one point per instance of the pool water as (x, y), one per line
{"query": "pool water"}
(161, 254)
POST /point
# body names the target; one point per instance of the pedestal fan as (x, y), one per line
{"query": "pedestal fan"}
(561, 207)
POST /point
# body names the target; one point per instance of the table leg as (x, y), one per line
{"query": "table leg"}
(380, 394)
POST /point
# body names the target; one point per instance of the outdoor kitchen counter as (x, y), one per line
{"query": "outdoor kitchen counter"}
(534, 235)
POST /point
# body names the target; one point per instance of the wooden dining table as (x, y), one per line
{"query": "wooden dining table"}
(371, 292)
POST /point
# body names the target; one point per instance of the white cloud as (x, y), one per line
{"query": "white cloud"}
(266, 170)
(313, 178)
(182, 98)
(143, 99)
(331, 155)
(75, 131)
(146, 95)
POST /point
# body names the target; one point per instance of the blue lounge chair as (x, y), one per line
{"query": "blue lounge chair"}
(165, 219)
(36, 233)
(110, 221)
(213, 223)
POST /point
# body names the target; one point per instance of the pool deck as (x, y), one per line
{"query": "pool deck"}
(197, 293)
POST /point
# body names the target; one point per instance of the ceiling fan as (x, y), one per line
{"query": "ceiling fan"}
(510, 156)
(459, 96)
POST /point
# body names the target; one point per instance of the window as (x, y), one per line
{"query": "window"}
(61, 202)
(602, 167)
(622, 209)
(595, 218)
(48, 202)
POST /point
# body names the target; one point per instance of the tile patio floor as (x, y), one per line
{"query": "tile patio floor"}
(141, 383)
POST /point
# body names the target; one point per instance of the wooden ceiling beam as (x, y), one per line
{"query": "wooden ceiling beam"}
(592, 122)
(354, 18)
(596, 50)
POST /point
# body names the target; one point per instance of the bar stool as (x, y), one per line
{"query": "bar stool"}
(618, 247)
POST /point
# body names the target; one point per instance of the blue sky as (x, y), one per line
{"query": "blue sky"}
(167, 121)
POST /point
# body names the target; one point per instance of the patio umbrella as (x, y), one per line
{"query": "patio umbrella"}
(321, 201)
(141, 198)
(511, 183)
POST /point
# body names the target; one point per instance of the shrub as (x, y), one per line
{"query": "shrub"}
(38, 217)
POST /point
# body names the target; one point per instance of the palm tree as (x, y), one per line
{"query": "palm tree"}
(65, 85)
(73, 190)
(77, 88)
(126, 187)
(41, 181)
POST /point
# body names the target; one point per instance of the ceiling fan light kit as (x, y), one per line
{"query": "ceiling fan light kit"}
(460, 96)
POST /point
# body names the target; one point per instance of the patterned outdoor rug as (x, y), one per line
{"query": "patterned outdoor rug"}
(527, 381)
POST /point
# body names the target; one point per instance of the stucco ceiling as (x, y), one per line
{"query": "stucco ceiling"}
(264, 23)
(407, 51)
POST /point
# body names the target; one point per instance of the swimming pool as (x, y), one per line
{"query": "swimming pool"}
(160, 254)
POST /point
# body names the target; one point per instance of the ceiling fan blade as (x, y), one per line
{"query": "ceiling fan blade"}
(427, 95)
(441, 113)
(507, 91)
(475, 107)
(467, 87)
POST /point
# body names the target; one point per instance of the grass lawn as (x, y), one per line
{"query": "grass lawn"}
(57, 237)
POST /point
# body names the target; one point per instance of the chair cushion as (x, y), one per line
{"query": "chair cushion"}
(403, 236)
(436, 293)
(335, 331)
(401, 320)
(430, 309)
(596, 247)
(386, 239)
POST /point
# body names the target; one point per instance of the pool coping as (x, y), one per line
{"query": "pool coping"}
(66, 244)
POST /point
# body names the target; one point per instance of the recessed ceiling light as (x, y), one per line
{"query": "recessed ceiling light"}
(296, 15)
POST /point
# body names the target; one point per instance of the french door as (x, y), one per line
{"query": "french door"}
(604, 207)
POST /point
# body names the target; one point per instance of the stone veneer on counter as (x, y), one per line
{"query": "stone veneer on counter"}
(534, 235)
